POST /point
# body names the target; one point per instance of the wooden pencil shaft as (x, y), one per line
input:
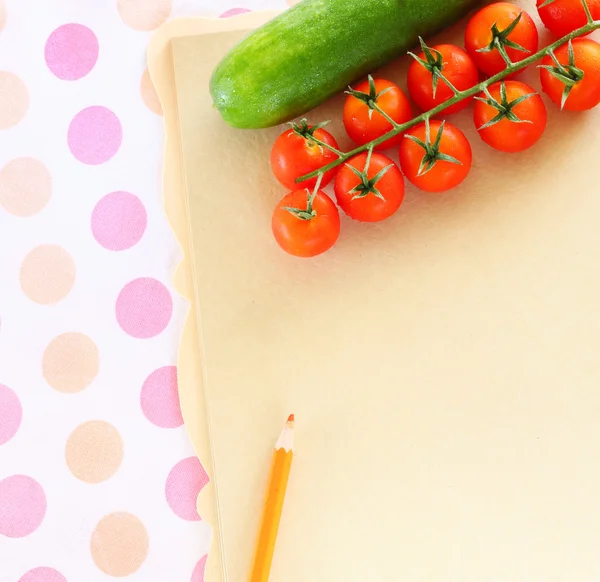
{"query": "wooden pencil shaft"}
(278, 480)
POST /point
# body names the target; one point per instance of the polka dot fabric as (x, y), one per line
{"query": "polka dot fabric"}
(98, 479)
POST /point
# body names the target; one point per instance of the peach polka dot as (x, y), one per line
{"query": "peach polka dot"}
(119, 221)
(10, 414)
(22, 506)
(149, 95)
(2, 15)
(119, 544)
(144, 14)
(94, 451)
(47, 274)
(70, 362)
(234, 12)
(184, 483)
(95, 135)
(25, 187)
(144, 308)
(14, 97)
(43, 575)
(198, 573)
(160, 398)
(71, 51)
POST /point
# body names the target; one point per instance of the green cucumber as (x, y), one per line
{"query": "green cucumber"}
(312, 51)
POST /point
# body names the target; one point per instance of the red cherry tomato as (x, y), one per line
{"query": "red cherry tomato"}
(564, 16)
(585, 93)
(500, 16)
(375, 196)
(294, 155)
(454, 64)
(305, 232)
(507, 135)
(420, 165)
(364, 124)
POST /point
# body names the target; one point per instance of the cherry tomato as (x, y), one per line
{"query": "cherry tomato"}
(454, 64)
(564, 16)
(305, 232)
(440, 166)
(519, 100)
(364, 124)
(376, 195)
(492, 22)
(294, 155)
(585, 93)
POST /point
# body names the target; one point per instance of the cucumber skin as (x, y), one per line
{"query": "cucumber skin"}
(317, 48)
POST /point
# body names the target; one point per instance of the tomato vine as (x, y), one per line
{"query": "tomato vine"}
(459, 96)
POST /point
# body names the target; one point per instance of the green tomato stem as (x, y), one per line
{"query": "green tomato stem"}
(586, 7)
(322, 144)
(379, 110)
(450, 85)
(311, 197)
(502, 50)
(458, 97)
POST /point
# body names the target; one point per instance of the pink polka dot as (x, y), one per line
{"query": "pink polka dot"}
(43, 575)
(95, 135)
(71, 51)
(160, 398)
(10, 414)
(198, 573)
(22, 506)
(144, 308)
(119, 221)
(234, 12)
(184, 483)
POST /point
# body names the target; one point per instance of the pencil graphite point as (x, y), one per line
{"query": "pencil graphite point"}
(291, 418)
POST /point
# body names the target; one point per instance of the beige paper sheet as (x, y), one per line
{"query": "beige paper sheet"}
(160, 65)
(443, 365)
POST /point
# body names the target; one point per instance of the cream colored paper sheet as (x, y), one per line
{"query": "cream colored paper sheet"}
(442, 366)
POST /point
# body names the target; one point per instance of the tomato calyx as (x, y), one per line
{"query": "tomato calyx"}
(307, 132)
(500, 40)
(433, 155)
(370, 98)
(569, 75)
(309, 212)
(434, 63)
(367, 185)
(301, 214)
(504, 107)
(304, 213)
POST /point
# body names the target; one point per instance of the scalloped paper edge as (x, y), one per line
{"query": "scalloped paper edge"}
(189, 367)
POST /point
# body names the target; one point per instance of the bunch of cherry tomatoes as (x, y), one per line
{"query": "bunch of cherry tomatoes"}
(434, 156)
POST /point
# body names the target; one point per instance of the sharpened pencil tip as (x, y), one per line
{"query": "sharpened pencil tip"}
(291, 418)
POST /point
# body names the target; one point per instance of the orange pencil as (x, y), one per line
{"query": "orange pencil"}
(280, 472)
